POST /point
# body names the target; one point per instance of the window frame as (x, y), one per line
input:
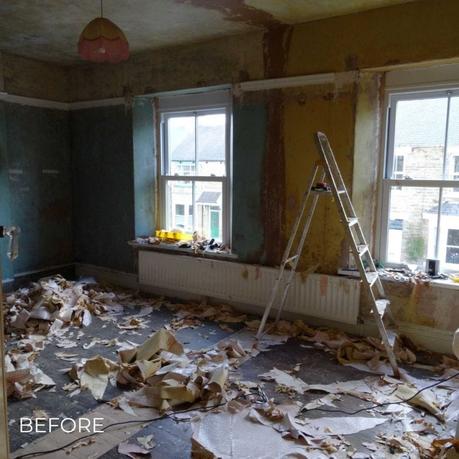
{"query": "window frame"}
(387, 163)
(196, 104)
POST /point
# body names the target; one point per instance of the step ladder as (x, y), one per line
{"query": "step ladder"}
(327, 170)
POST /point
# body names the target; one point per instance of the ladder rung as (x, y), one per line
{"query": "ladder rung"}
(320, 191)
(392, 335)
(372, 277)
(381, 306)
(289, 260)
(352, 221)
(341, 191)
(363, 249)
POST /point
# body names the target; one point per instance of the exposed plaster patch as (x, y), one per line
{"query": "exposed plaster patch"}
(275, 49)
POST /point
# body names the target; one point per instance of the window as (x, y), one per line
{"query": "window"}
(195, 164)
(420, 211)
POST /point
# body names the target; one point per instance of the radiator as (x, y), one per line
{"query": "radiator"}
(328, 297)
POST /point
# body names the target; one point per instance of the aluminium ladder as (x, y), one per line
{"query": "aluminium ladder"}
(328, 170)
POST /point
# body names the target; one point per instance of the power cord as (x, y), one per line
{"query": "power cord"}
(378, 405)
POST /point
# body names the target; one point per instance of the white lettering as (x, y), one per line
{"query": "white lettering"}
(67, 425)
(97, 425)
(40, 423)
(87, 423)
(25, 422)
(70, 420)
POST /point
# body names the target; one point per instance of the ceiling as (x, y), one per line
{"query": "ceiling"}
(49, 29)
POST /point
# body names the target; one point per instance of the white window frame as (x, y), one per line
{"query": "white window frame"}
(386, 182)
(192, 104)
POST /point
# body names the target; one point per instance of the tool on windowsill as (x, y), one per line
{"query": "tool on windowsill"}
(12, 232)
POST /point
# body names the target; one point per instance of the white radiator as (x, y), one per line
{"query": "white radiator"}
(328, 297)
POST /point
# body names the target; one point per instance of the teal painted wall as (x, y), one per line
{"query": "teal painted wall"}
(249, 146)
(35, 179)
(103, 186)
(82, 183)
(144, 166)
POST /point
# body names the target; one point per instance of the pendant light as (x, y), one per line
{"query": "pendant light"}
(103, 41)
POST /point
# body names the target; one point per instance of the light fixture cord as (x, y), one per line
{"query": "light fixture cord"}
(101, 8)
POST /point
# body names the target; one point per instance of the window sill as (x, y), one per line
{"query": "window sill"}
(171, 248)
(437, 283)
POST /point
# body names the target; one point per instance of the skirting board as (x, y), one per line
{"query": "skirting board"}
(112, 276)
(430, 338)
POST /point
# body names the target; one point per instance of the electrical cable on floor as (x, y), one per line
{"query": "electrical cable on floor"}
(378, 405)
(171, 415)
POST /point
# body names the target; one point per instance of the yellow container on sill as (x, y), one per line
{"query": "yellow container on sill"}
(173, 235)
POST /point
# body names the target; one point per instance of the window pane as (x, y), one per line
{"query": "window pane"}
(452, 157)
(412, 228)
(180, 133)
(179, 198)
(209, 208)
(420, 129)
(452, 255)
(453, 237)
(211, 144)
(448, 241)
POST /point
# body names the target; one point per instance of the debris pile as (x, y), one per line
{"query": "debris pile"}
(197, 244)
(23, 377)
(161, 371)
(42, 312)
(363, 353)
(409, 419)
(52, 302)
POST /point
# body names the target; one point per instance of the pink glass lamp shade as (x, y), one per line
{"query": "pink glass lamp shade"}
(103, 41)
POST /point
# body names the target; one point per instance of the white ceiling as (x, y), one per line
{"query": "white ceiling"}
(49, 29)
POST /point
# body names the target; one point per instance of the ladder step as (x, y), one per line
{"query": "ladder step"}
(289, 260)
(352, 221)
(341, 191)
(372, 277)
(363, 249)
(392, 335)
(381, 306)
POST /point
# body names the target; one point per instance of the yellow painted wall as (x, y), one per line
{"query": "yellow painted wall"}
(306, 111)
(408, 33)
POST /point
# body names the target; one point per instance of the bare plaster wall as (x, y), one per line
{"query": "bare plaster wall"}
(30, 78)
(227, 60)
